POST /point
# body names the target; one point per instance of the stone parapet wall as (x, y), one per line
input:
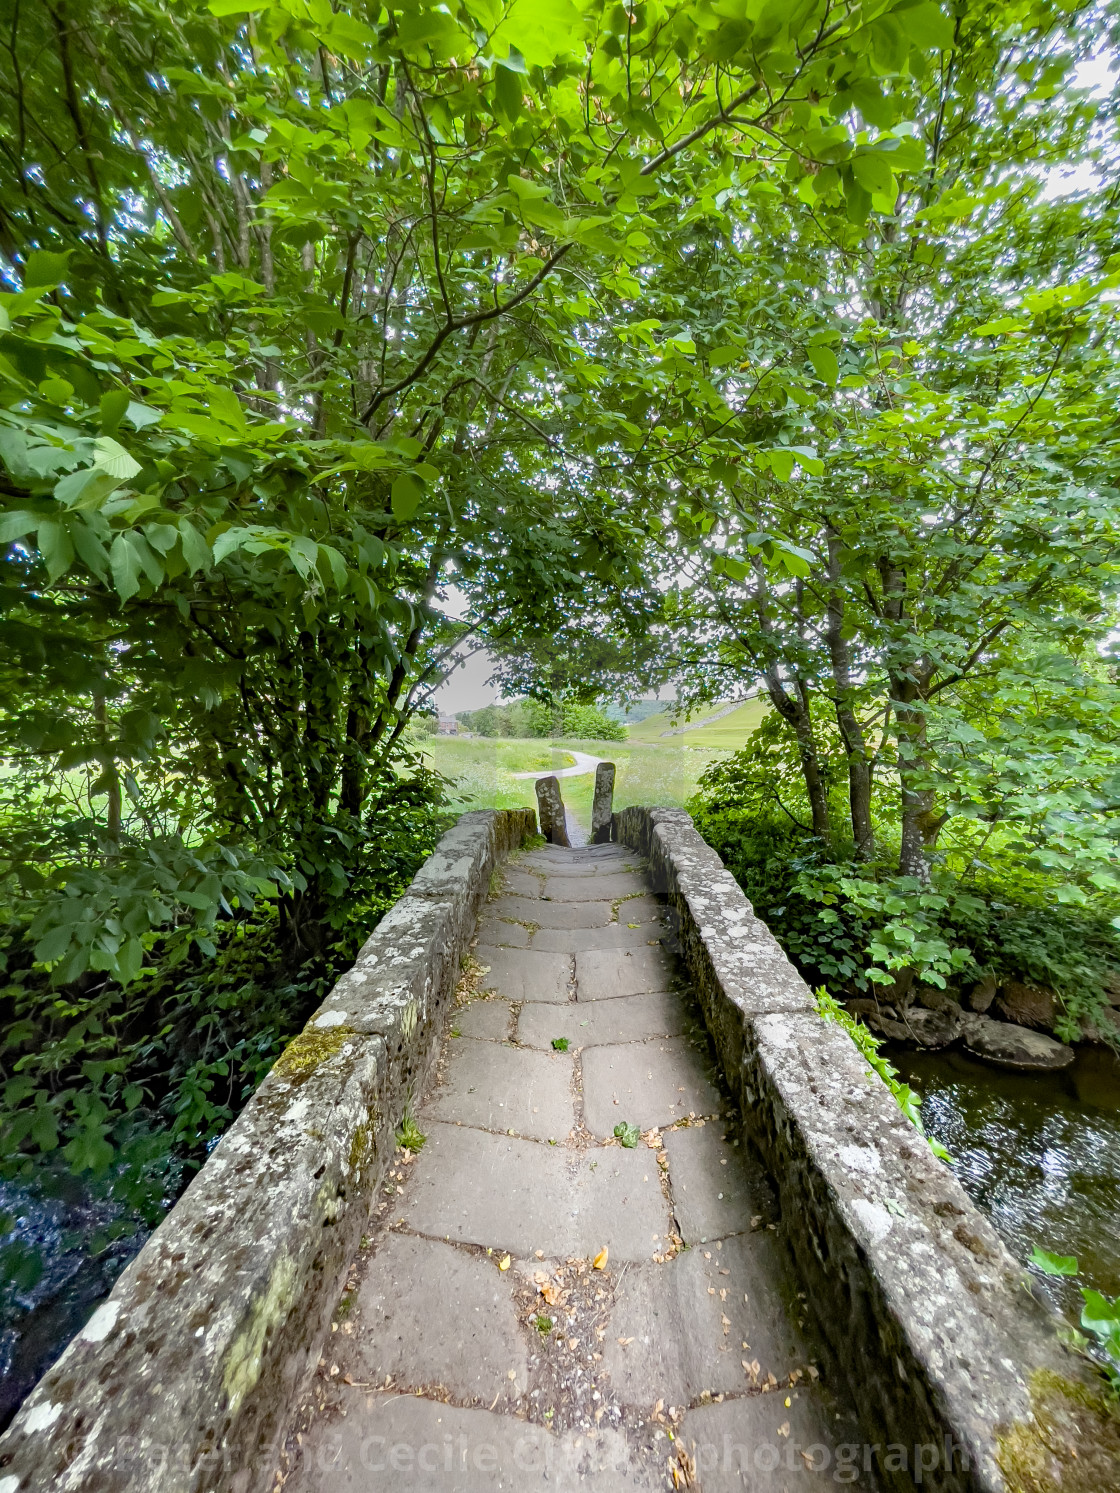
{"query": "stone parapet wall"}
(185, 1378)
(922, 1308)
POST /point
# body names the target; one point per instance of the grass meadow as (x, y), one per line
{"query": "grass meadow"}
(480, 770)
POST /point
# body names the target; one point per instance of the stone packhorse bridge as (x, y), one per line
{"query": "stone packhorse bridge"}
(665, 1230)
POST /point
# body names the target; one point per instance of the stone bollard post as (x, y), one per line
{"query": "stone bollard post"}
(550, 805)
(602, 805)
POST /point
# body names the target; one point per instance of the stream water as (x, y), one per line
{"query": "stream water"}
(53, 1275)
(1039, 1153)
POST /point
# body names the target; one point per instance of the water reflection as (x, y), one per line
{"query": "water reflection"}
(58, 1275)
(1040, 1153)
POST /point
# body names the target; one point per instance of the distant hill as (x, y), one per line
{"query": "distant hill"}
(633, 714)
(729, 731)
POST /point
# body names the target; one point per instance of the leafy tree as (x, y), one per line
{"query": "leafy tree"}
(528, 718)
(901, 481)
(302, 305)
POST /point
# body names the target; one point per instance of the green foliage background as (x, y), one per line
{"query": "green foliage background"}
(529, 718)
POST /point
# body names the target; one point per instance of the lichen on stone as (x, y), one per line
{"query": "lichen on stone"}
(1071, 1444)
(309, 1050)
(409, 1019)
(328, 1202)
(243, 1361)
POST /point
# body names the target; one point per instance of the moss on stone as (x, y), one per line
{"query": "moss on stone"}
(312, 1047)
(362, 1146)
(1071, 1444)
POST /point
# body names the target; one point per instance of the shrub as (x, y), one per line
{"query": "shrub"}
(856, 927)
(589, 723)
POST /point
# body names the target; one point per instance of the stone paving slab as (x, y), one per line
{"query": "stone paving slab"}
(524, 974)
(389, 1441)
(711, 1188)
(506, 1088)
(603, 974)
(683, 1324)
(593, 888)
(577, 870)
(580, 940)
(519, 1195)
(490, 1020)
(583, 867)
(631, 1018)
(496, 932)
(583, 860)
(430, 1314)
(756, 1442)
(639, 909)
(521, 884)
(553, 914)
(645, 1083)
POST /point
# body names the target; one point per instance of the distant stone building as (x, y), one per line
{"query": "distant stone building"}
(448, 726)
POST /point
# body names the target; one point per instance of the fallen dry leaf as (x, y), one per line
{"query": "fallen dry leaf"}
(504, 1262)
(624, 1341)
(601, 1258)
(684, 1470)
(783, 1429)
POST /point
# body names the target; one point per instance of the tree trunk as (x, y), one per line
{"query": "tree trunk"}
(921, 824)
(851, 732)
(110, 774)
(909, 683)
(794, 710)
